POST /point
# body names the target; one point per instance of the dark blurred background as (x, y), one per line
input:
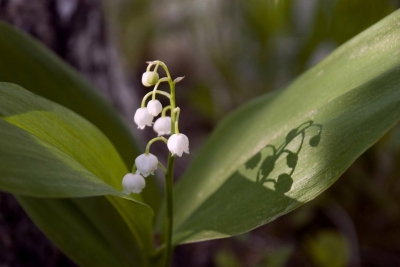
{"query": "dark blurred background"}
(230, 52)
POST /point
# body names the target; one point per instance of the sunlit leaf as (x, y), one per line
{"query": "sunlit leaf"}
(49, 151)
(243, 177)
(26, 62)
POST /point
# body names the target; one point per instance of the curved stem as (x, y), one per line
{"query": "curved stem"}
(164, 111)
(160, 138)
(169, 211)
(150, 93)
(156, 67)
(152, 63)
(162, 167)
(134, 168)
(166, 69)
(177, 111)
(156, 86)
(172, 97)
(173, 106)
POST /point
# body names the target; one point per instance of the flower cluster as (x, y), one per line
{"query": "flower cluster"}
(177, 143)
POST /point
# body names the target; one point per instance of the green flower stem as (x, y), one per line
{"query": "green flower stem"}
(169, 180)
(176, 128)
(164, 111)
(172, 98)
(166, 69)
(151, 93)
(156, 67)
(134, 168)
(157, 63)
(169, 175)
(160, 138)
(162, 167)
(177, 111)
(156, 86)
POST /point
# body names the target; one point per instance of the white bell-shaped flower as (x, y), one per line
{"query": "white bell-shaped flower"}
(146, 164)
(154, 107)
(150, 78)
(162, 126)
(133, 183)
(177, 144)
(142, 118)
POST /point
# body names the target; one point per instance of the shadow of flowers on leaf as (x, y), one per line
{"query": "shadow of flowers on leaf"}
(254, 194)
(290, 148)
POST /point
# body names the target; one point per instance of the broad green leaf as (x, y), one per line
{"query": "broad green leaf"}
(49, 151)
(283, 149)
(26, 62)
(32, 167)
(96, 236)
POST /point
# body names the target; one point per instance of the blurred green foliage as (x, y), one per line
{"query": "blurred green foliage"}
(328, 248)
(226, 258)
(232, 51)
(278, 258)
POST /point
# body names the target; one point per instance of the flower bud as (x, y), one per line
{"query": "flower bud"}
(162, 126)
(177, 144)
(146, 164)
(154, 107)
(133, 183)
(150, 78)
(143, 118)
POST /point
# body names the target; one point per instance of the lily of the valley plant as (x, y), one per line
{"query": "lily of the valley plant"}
(178, 143)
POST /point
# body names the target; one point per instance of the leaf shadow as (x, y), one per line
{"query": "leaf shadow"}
(251, 196)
